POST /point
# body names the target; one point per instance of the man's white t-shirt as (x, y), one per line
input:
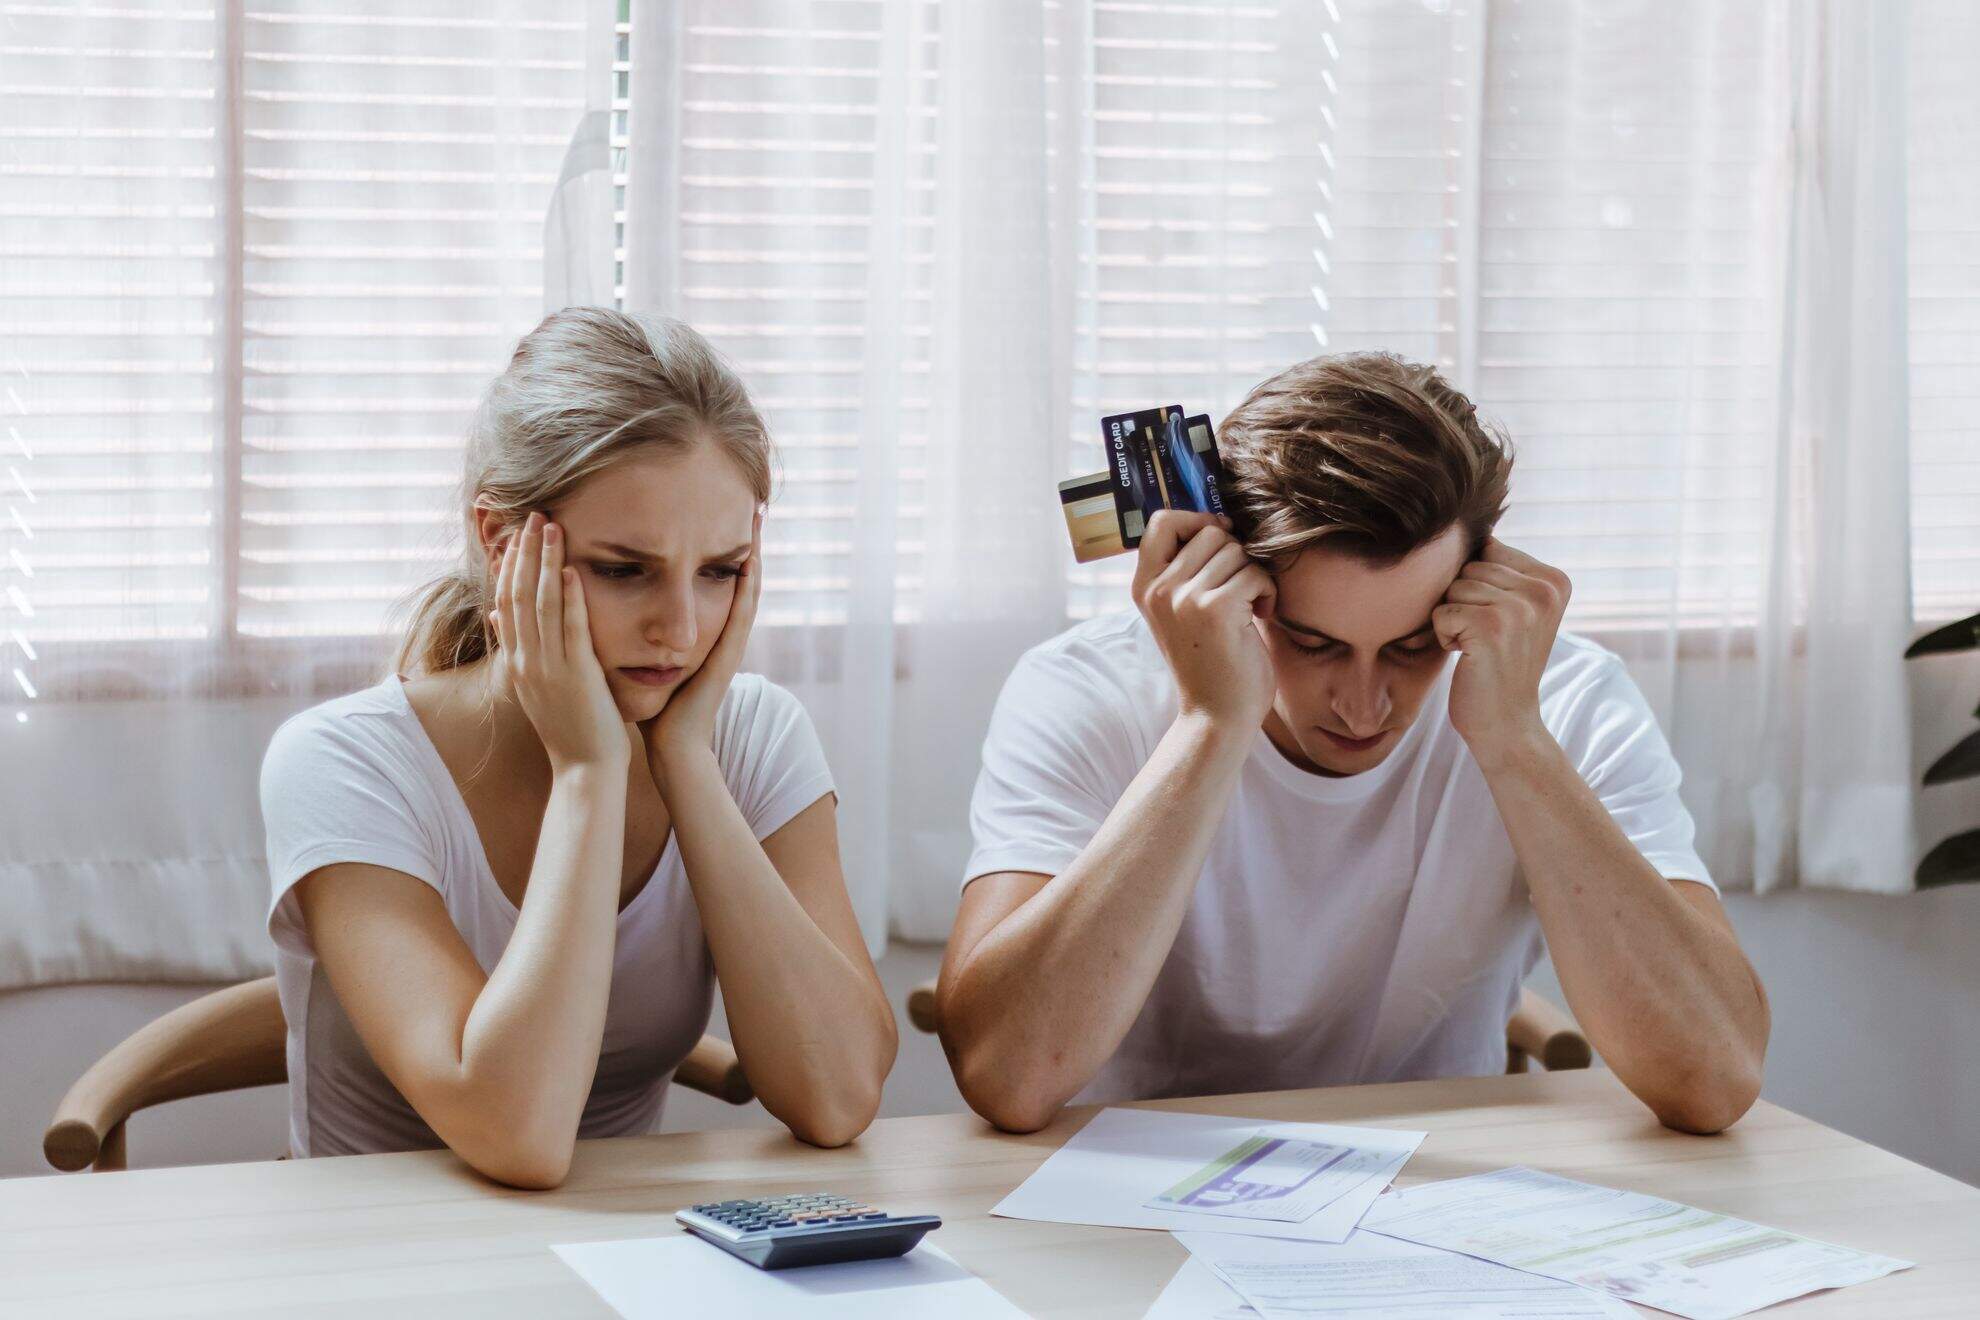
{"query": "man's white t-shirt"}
(357, 779)
(1365, 928)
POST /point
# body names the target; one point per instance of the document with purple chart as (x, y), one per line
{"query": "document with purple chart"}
(1272, 1177)
(1153, 1168)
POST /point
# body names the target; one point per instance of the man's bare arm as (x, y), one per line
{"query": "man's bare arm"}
(1044, 975)
(1650, 967)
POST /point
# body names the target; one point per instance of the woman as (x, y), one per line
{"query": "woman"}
(507, 877)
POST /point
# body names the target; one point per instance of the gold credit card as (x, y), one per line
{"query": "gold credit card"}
(1092, 518)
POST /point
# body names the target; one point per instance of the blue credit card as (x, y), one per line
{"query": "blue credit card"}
(1194, 451)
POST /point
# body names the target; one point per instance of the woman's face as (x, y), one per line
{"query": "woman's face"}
(657, 541)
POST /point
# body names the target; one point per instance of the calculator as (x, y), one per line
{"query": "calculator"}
(809, 1228)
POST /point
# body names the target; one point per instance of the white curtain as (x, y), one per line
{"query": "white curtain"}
(1665, 245)
(255, 262)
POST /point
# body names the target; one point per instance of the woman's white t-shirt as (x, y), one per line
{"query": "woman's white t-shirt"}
(357, 779)
(1366, 928)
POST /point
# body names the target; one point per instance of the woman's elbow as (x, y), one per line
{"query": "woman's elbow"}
(508, 1148)
(539, 1166)
(835, 1124)
(524, 1171)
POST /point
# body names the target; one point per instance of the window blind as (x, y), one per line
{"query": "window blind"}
(396, 163)
(110, 219)
(257, 258)
(1225, 215)
(256, 261)
(1627, 336)
(1944, 329)
(779, 116)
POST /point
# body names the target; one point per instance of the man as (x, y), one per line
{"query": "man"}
(1292, 823)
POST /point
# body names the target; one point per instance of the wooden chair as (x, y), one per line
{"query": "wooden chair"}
(230, 1040)
(1539, 1030)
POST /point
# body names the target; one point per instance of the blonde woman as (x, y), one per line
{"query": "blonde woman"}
(507, 878)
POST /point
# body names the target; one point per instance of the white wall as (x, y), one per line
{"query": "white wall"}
(1876, 1032)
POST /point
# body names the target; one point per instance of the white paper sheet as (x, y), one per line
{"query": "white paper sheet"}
(1196, 1293)
(1372, 1277)
(650, 1278)
(1660, 1253)
(1107, 1171)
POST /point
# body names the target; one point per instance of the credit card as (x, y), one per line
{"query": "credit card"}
(1091, 518)
(1159, 458)
(1196, 458)
(1146, 431)
(1134, 481)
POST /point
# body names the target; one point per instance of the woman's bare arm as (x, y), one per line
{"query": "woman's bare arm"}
(499, 1065)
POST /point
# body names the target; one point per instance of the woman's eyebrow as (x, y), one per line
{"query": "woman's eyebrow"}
(627, 551)
(647, 556)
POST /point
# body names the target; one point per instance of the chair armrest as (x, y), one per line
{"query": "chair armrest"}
(712, 1068)
(225, 1041)
(921, 1008)
(1543, 1030)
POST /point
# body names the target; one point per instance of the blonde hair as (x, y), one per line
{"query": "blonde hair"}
(1372, 453)
(583, 389)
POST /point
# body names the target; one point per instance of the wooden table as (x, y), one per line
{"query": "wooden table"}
(379, 1236)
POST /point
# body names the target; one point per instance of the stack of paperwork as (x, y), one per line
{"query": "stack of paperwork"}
(1283, 1219)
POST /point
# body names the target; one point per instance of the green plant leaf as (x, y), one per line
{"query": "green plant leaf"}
(1954, 861)
(1961, 636)
(1961, 762)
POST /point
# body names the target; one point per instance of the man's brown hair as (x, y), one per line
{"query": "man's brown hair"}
(1373, 454)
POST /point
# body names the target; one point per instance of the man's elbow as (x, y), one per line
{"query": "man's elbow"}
(1705, 1104)
(1004, 1097)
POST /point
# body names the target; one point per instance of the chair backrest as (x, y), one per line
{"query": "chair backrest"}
(225, 1041)
(233, 1039)
(1538, 1029)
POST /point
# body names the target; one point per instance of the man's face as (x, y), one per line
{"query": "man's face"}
(1354, 652)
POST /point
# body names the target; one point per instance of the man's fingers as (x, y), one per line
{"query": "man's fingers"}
(1161, 539)
(1455, 624)
(1498, 552)
(1224, 564)
(1498, 575)
(1250, 584)
(1465, 591)
(1203, 546)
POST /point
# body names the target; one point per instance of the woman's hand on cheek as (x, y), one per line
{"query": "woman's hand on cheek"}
(687, 724)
